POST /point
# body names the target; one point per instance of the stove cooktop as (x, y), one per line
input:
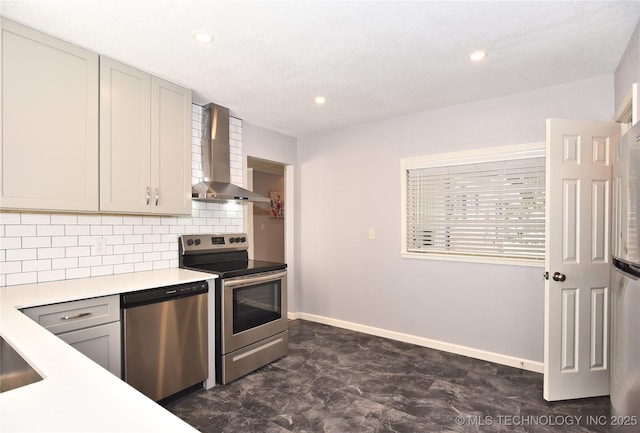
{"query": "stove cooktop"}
(224, 255)
(238, 268)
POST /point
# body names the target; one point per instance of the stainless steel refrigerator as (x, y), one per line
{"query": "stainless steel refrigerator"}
(625, 277)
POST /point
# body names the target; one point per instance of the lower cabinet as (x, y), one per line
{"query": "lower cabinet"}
(92, 326)
(99, 343)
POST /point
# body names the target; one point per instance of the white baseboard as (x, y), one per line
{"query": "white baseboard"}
(498, 358)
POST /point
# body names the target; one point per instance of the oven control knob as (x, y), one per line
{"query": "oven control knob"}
(189, 242)
(232, 240)
(238, 240)
(197, 241)
(243, 239)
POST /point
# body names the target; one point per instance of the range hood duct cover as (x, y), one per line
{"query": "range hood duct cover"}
(216, 163)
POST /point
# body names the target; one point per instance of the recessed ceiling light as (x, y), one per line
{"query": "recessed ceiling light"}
(203, 37)
(319, 100)
(477, 56)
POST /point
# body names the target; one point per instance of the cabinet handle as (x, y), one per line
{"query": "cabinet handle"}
(148, 195)
(77, 316)
(157, 196)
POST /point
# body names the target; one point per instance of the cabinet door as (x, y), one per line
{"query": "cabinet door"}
(170, 148)
(99, 343)
(49, 156)
(125, 140)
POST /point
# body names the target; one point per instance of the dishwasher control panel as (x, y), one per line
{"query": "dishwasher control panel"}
(159, 294)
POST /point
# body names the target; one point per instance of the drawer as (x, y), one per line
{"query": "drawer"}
(69, 316)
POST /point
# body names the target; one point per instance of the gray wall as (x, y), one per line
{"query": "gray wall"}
(349, 181)
(628, 70)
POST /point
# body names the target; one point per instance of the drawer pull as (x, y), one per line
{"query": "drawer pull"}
(77, 316)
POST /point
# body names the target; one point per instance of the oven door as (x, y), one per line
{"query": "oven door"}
(254, 307)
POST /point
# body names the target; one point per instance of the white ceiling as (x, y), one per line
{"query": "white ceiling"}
(372, 60)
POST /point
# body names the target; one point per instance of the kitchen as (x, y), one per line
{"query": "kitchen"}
(362, 162)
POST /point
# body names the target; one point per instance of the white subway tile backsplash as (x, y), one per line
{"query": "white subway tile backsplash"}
(77, 251)
(10, 243)
(37, 247)
(112, 220)
(160, 246)
(86, 241)
(89, 261)
(123, 230)
(64, 219)
(36, 242)
(132, 220)
(150, 239)
(142, 266)
(36, 265)
(9, 218)
(142, 248)
(77, 230)
(123, 269)
(22, 254)
(101, 230)
(133, 258)
(66, 263)
(161, 264)
(116, 259)
(89, 219)
(21, 278)
(75, 273)
(44, 276)
(132, 239)
(20, 230)
(98, 271)
(64, 241)
(35, 218)
(50, 230)
(11, 267)
(142, 230)
(51, 253)
(122, 249)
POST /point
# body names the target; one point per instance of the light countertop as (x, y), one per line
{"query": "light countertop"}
(76, 394)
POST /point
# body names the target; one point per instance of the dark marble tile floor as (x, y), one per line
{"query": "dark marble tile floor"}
(338, 381)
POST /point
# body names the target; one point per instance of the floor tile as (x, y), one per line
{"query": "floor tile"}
(339, 381)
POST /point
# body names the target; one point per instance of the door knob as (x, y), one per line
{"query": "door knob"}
(557, 276)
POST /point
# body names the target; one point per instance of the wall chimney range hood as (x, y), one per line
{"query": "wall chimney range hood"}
(216, 164)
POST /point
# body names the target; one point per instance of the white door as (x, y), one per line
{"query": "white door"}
(576, 325)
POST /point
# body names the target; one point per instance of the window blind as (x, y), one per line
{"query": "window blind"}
(491, 209)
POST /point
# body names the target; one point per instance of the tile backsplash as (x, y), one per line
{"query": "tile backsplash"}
(39, 247)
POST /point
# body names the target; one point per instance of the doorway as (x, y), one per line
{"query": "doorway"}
(266, 220)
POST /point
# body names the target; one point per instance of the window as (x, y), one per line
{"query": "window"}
(476, 206)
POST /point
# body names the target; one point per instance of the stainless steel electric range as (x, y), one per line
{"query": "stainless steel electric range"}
(250, 302)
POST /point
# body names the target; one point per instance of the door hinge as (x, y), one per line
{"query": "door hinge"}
(546, 275)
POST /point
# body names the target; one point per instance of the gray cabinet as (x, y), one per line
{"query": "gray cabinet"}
(49, 123)
(145, 142)
(86, 134)
(92, 326)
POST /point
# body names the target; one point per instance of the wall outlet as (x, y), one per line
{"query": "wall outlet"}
(372, 234)
(100, 245)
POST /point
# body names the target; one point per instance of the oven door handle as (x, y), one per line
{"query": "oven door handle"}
(249, 281)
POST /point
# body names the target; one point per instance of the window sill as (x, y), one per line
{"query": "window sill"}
(475, 259)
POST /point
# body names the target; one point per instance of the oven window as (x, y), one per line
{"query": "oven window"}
(256, 305)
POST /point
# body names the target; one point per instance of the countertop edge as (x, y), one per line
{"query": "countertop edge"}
(77, 394)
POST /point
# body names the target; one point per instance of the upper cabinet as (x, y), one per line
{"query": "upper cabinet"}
(49, 123)
(145, 142)
(87, 134)
(170, 147)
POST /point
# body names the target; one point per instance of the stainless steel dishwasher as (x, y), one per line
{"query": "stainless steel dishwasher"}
(165, 339)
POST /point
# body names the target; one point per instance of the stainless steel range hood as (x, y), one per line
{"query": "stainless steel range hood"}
(216, 163)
